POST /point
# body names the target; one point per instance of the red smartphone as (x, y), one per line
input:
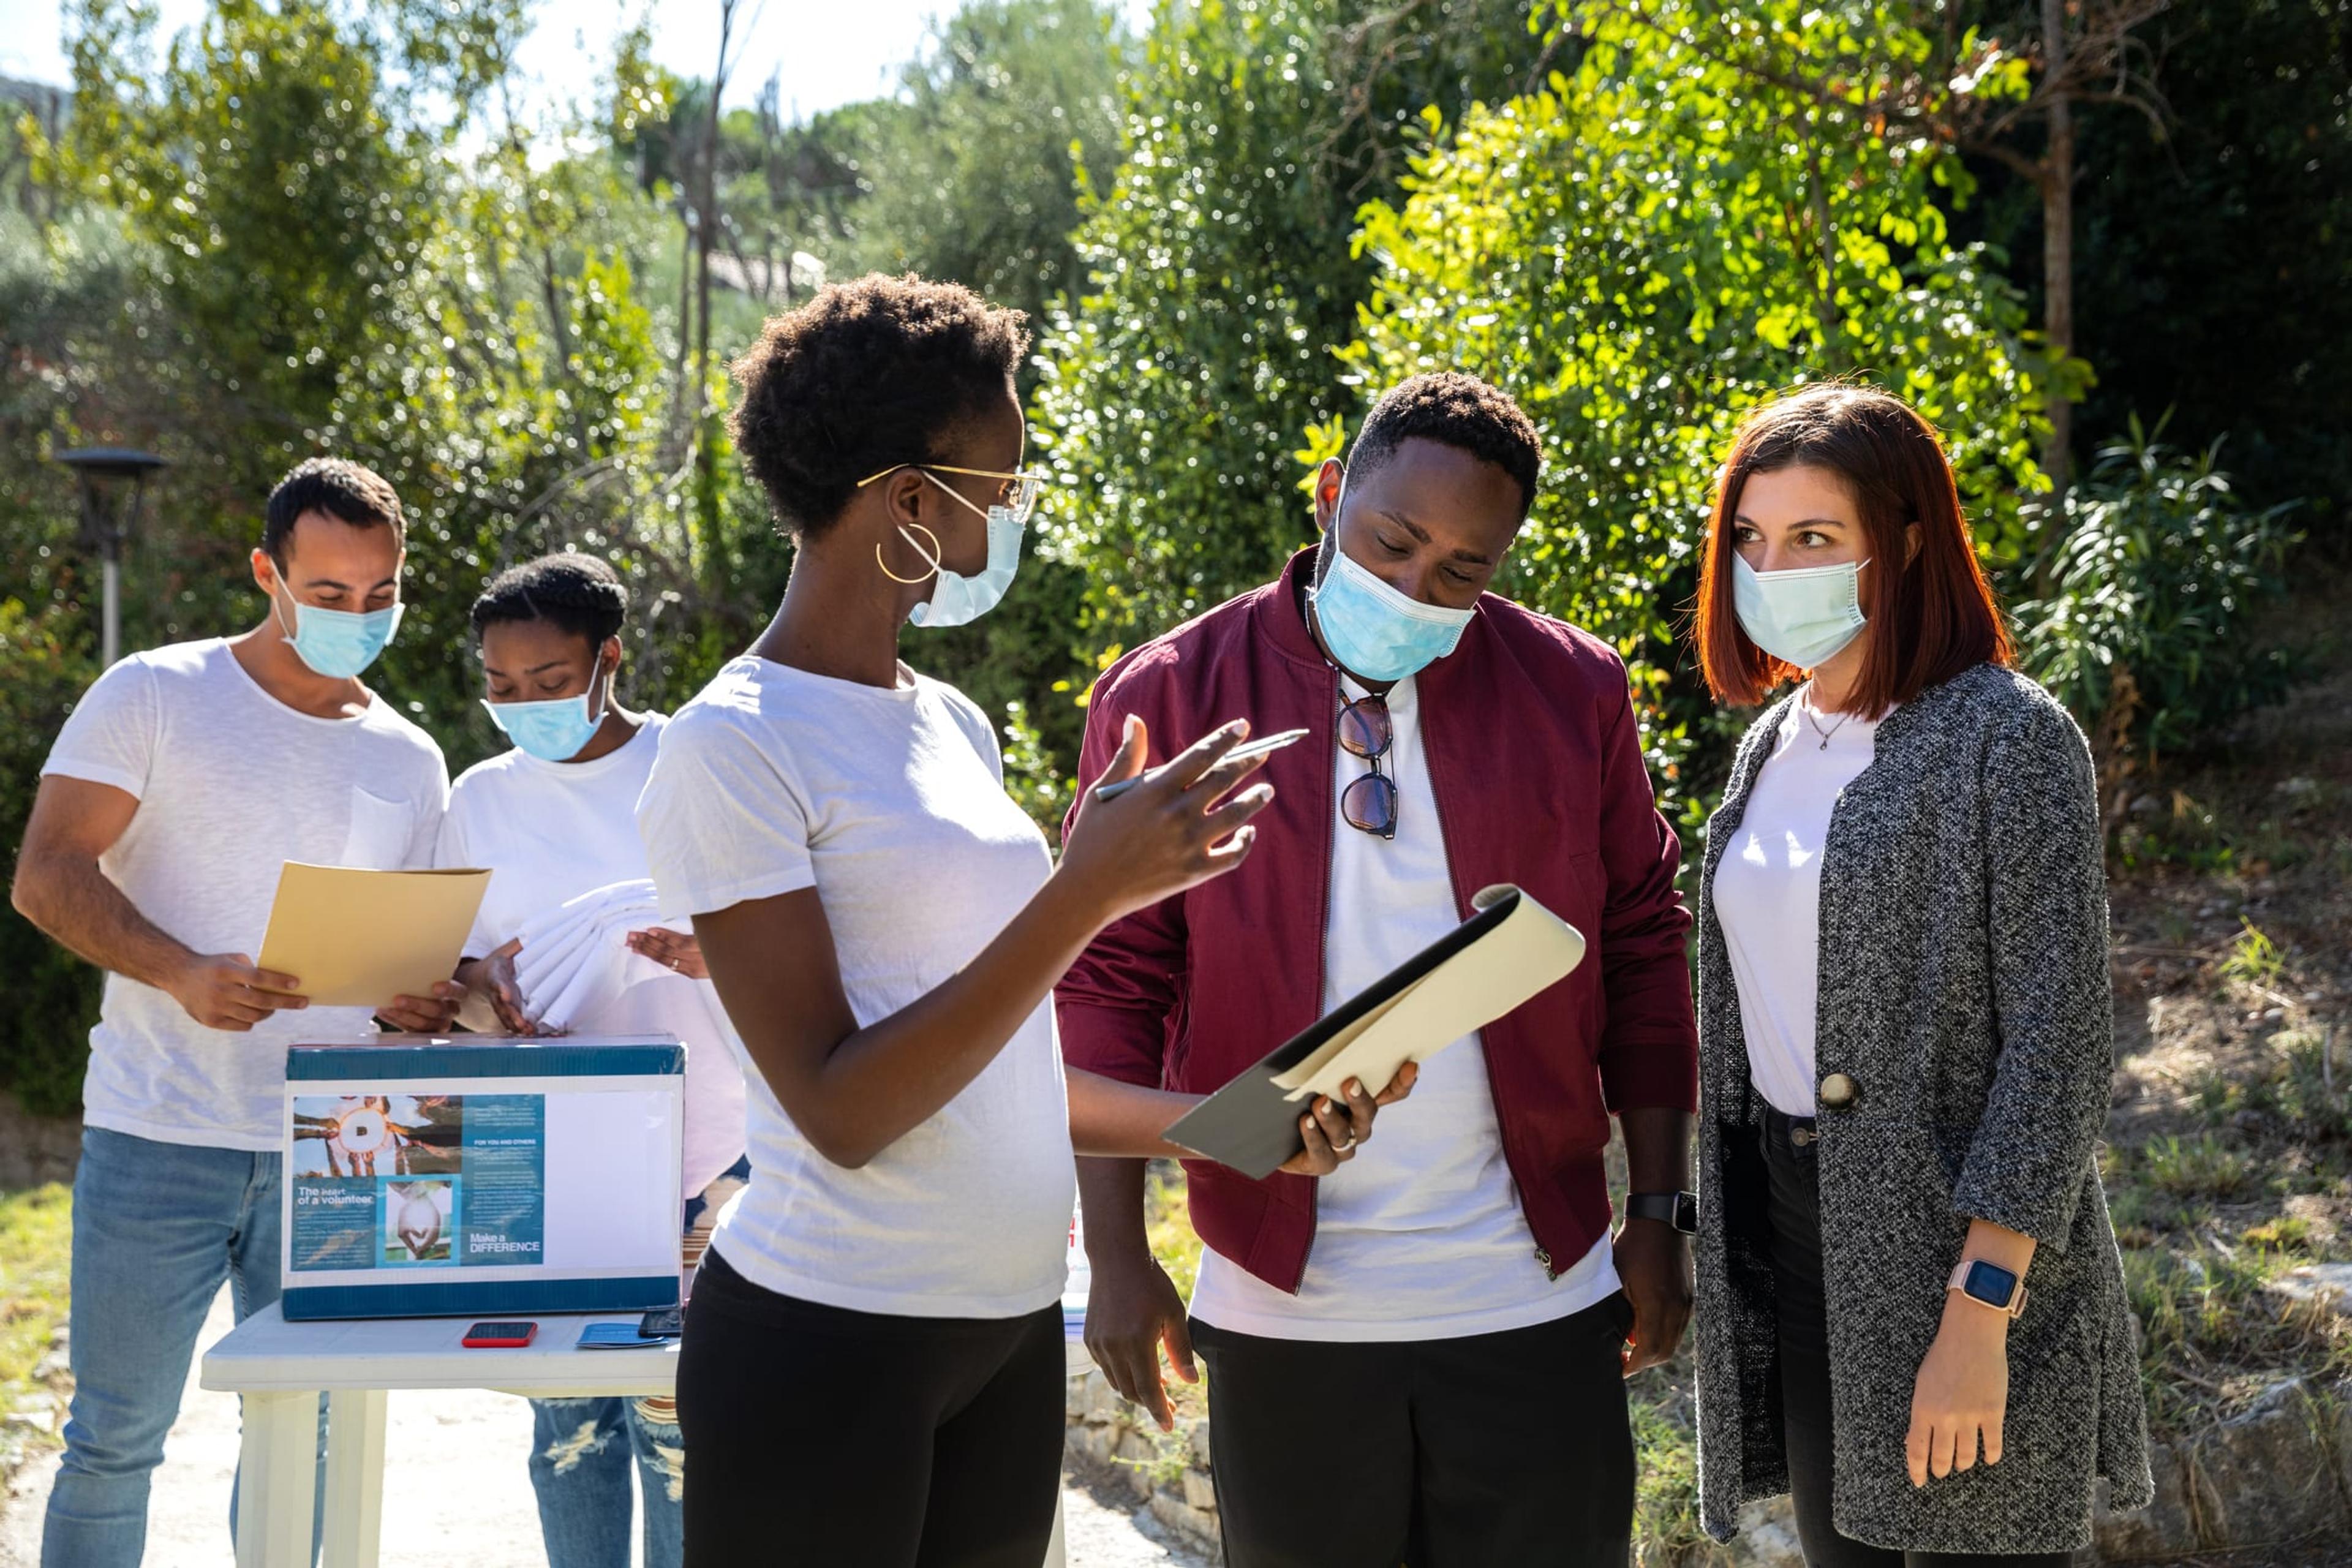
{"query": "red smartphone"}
(498, 1336)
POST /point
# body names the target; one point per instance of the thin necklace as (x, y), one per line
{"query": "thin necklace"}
(1814, 719)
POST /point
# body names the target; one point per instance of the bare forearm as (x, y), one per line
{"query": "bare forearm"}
(2000, 1245)
(1657, 1148)
(78, 906)
(853, 1090)
(1111, 1118)
(880, 1082)
(1110, 1199)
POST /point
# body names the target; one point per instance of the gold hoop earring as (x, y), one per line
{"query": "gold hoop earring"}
(931, 556)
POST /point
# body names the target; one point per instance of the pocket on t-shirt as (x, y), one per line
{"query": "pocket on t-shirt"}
(379, 834)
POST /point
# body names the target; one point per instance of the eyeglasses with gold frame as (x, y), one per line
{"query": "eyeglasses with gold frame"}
(1018, 492)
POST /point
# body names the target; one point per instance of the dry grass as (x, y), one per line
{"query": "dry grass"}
(2230, 1144)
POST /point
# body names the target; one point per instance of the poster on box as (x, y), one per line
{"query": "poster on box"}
(493, 1177)
(454, 1180)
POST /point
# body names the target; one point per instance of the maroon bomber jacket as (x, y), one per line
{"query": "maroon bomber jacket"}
(1535, 758)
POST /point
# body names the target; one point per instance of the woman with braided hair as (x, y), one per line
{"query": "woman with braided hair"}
(567, 940)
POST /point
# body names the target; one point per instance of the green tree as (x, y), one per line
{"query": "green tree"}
(2230, 230)
(1012, 107)
(331, 269)
(1175, 389)
(280, 172)
(1655, 243)
(260, 157)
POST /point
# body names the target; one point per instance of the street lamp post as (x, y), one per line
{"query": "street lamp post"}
(109, 514)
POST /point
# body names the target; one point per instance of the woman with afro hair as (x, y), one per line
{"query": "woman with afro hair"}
(873, 1365)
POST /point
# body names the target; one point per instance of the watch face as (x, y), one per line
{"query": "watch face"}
(1687, 1212)
(1990, 1283)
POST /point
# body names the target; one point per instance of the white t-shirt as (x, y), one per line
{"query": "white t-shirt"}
(231, 784)
(1768, 893)
(549, 831)
(1420, 1236)
(552, 831)
(891, 804)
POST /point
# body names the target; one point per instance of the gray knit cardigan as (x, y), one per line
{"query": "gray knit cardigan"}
(1964, 986)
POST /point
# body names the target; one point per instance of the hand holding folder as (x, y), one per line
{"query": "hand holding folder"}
(357, 938)
(1511, 949)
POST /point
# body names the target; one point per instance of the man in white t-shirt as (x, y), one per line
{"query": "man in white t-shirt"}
(1451, 1298)
(182, 781)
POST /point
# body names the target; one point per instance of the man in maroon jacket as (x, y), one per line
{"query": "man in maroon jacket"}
(1421, 1355)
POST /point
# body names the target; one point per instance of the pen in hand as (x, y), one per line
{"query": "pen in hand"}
(1273, 743)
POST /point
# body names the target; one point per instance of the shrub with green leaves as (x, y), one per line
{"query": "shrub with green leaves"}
(2155, 577)
(1658, 242)
(45, 663)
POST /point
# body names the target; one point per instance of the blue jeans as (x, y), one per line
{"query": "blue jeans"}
(582, 1450)
(156, 1228)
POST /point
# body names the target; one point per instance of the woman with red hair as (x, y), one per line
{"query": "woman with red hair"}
(1911, 1310)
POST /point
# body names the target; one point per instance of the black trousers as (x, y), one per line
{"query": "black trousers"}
(1507, 1450)
(818, 1435)
(1796, 1213)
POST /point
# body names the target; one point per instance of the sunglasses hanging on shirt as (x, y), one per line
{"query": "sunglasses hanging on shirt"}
(1368, 805)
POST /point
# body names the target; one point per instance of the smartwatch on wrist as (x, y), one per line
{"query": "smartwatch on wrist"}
(1989, 1285)
(1677, 1209)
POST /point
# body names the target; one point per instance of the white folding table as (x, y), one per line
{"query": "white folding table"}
(281, 1368)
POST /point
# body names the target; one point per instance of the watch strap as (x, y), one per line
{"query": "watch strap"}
(1679, 1210)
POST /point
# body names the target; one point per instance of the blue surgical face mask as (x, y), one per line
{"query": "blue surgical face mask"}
(1803, 618)
(338, 644)
(554, 730)
(1372, 629)
(957, 600)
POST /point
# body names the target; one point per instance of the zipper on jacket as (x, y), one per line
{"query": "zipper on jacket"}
(1494, 1096)
(1323, 943)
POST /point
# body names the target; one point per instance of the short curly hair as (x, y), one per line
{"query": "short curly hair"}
(1460, 411)
(580, 594)
(347, 491)
(865, 376)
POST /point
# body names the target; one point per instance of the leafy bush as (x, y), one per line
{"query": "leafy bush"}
(1030, 774)
(52, 995)
(2146, 598)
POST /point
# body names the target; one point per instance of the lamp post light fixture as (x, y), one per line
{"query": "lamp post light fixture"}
(109, 514)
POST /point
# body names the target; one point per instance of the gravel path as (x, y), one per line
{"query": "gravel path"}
(454, 1490)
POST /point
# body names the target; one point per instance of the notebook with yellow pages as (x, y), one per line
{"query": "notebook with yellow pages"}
(1510, 948)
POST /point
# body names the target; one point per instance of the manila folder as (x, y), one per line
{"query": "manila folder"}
(1510, 948)
(357, 938)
